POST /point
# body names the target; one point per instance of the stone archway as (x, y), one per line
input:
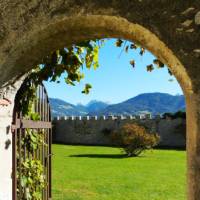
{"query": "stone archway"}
(36, 28)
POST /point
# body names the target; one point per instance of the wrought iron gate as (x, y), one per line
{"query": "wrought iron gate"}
(20, 128)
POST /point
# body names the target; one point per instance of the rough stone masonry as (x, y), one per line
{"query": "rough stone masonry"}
(96, 131)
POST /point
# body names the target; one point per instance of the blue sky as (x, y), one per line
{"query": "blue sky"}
(115, 80)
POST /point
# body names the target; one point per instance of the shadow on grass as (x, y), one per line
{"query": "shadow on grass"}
(111, 156)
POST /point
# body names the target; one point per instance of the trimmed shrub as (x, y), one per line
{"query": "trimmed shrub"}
(134, 139)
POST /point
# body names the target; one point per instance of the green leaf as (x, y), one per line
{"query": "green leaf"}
(142, 50)
(150, 68)
(132, 62)
(23, 181)
(87, 88)
(133, 46)
(126, 49)
(96, 57)
(170, 73)
(158, 63)
(70, 82)
(33, 138)
(88, 60)
(118, 43)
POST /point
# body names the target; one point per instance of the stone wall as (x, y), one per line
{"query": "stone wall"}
(95, 131)
(6, 118)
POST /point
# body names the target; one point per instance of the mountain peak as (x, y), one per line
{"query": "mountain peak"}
(156, 102)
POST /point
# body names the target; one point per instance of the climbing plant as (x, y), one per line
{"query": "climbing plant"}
(31, 179)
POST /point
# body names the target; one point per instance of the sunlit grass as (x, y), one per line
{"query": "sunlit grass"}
(102, 173)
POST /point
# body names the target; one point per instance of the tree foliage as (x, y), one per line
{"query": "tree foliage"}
(134, 139)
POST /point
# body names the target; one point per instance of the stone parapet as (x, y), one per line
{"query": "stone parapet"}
(95, 130)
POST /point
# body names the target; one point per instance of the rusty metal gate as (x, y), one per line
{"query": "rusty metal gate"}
(23, 126)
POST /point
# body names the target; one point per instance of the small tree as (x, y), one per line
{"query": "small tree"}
(134, 139)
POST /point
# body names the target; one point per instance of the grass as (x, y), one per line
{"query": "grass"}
(102, 173)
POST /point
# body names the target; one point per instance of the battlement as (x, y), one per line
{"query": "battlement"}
(95, 130)
(103, 117)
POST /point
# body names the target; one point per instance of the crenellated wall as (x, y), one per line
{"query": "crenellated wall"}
(95, 130)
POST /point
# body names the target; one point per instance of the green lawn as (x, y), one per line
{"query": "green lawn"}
(101, 173)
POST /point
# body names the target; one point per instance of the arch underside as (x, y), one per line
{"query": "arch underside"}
(69, 30)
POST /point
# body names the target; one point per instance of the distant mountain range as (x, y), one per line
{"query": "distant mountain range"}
(147, 102)
(62, 108)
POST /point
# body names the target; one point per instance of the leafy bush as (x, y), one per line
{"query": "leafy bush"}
(134, 139)
(32, 180)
